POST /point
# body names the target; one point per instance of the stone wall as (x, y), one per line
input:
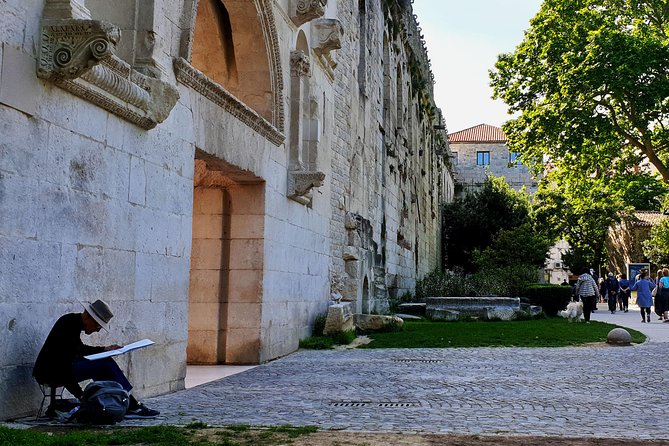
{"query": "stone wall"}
(470, 175)
(330, 180)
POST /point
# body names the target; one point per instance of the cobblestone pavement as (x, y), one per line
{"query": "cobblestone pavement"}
(613, 392)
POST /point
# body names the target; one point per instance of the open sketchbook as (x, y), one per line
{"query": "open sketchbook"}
(119, 351)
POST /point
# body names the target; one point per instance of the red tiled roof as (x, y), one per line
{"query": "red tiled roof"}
(647, 218)
(482, 133)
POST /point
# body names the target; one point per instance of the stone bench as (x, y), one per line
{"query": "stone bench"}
(453, 308)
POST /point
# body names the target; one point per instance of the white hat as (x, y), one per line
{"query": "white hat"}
(99, 311)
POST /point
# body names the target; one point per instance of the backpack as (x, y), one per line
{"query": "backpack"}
(103, 402)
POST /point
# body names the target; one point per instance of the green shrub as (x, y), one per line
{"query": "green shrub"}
(551, 298)
(319, 324)
(509, 280)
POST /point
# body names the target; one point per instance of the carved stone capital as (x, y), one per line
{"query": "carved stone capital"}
(303, 11)
(300, 184)
(326, 35)
(300, 66)
(71, 47)
(78, 56)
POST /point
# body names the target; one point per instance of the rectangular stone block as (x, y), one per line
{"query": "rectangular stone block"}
(205, 285)
(22, 153)
(247, 226)
(206, 254)
(202, 347)
(204, 316)
(246, 254)
(18, 83)
(245, 286)
(243, 315)
(207, 201)
(137, 188)
(207, 226)
(243, 346)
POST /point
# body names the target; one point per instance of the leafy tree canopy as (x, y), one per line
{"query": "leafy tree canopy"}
(474, 221)
(590, 81)
(655, 248)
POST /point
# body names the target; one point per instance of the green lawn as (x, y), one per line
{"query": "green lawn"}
(551, 332)
(196, 434)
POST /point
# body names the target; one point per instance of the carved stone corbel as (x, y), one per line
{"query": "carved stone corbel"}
(300, 184)
(77, 54)
(303, 11)
(326, 35)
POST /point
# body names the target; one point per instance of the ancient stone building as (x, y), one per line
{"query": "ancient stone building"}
(215, 170)
(482, 150)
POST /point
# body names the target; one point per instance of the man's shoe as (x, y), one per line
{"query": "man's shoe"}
(141, 411)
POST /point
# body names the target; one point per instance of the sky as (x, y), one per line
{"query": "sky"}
(463, 39)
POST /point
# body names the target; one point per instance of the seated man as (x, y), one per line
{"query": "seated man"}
(61, 360)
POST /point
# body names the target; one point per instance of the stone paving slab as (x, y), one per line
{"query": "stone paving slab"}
(576, 391)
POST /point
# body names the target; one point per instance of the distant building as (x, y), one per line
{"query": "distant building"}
(481, 151)
(624, 241)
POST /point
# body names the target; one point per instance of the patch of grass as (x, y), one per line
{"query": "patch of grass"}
(317, 343)
(327, 342)
(550, 332)
(192, 434)
(155, 435)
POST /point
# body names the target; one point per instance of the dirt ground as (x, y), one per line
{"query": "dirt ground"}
(375, 439)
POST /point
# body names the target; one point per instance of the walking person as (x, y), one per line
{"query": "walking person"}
(586, 290)
(601, 287)
(663, 295)
(612, 286)
(625, 292)
(656, 295)
(644, 299)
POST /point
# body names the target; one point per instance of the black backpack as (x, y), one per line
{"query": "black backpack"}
(103, 402)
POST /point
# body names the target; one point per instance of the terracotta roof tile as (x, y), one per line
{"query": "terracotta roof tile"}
(482, 133)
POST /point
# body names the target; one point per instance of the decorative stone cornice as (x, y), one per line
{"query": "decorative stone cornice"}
(300, 66)
(198, 81)
(326, 35)
(303, 11)
(77, 55)
(300, 184)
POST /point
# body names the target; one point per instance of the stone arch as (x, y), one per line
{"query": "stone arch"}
(238, 26)
(301, 42)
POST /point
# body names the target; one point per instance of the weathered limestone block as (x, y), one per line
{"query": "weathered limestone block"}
(339, 318)
(350, 253)
(376, 322)
(619, 336)
(416, 308)
(504, 308)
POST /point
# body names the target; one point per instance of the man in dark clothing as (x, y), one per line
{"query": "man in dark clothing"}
(61, 361)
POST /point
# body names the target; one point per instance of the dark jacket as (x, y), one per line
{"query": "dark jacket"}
(62, 347)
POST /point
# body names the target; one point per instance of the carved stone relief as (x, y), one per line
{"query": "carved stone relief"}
(77, 54)
(300, 184)
(326, 36)
(303, 11)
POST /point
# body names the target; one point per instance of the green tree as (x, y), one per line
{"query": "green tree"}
(590, 86)
(655, 248)
(590, 83)
(473, 222)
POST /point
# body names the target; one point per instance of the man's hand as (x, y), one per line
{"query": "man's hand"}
(112, 347)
